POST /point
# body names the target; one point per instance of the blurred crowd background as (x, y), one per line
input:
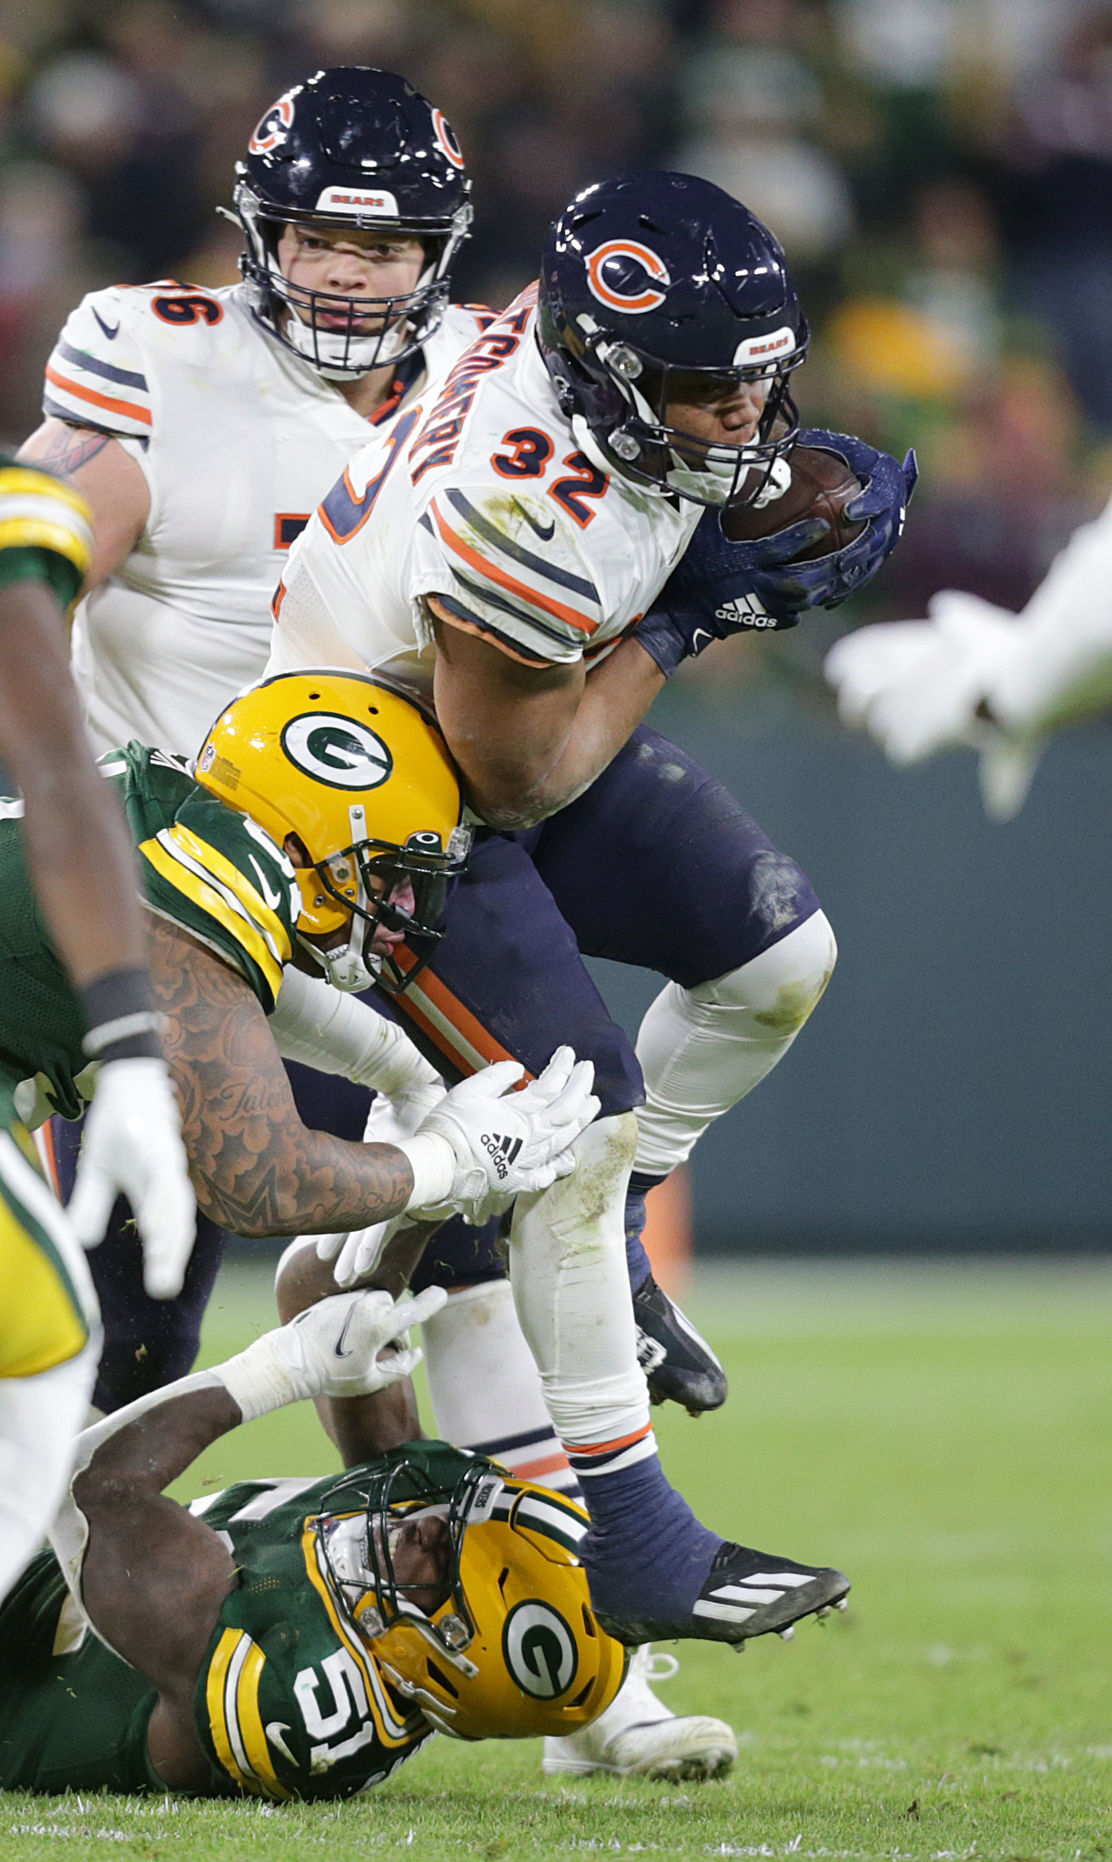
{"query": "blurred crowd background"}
(940, 174)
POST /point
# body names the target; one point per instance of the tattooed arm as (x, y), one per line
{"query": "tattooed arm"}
(107, 476)
(256, 1168)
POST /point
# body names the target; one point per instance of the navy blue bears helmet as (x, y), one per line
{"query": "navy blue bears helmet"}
(352, 147)
(659, 290)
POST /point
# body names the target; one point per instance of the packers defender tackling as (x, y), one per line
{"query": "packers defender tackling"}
(292, 1638)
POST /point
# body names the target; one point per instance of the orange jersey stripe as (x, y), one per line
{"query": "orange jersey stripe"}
(460, 1019)
(496, 640)
(99, 400)
(607, 1448)
(43, 1138)
(536, 1470)
(456, 542)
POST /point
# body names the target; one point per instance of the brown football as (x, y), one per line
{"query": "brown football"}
(822, 485)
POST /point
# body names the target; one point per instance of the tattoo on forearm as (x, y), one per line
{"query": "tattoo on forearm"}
(256, 1169)
(72, 448)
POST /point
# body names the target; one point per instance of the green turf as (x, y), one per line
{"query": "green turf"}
(941, 1433)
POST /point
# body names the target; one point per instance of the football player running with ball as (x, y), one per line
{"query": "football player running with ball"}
(548, 519)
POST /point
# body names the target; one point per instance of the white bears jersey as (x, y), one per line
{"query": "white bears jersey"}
(237, 439)
(483, 498)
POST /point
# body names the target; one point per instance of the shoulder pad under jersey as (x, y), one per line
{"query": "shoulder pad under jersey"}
(98, 372)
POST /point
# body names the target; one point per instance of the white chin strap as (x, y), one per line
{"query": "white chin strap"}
(347, 1553)
(336, 357)
(717, 482)
(345, 967)
(714, 482)
(350, 966)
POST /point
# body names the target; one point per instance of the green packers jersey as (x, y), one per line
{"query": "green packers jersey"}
(46, 532)
(211, 871)
(289, 1701)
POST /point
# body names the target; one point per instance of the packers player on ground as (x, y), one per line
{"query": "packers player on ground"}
(292, 1638)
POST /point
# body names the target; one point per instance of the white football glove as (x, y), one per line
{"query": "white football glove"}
(399, 1115)
(863, 665)
(330, 1350)
(132, 1146)
(361, 1251)
(915, 685)
(502, 1145)
(507, 1144)
(388, 1122)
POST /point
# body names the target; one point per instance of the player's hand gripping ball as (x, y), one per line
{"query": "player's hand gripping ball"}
(824, 538)
(822, 486)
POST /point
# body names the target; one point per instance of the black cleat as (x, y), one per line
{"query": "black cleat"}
(746, 1594)
(679, 1365)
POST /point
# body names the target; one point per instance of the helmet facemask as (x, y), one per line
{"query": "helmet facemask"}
(358, 1552)
(507, 1646)
(621, 400)
(344, 337)
(358, 881)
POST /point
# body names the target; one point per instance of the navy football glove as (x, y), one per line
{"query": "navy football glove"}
(719, 587)
(881, 505)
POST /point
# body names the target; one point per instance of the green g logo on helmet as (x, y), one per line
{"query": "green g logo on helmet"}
(340, 751)
(539, 1650)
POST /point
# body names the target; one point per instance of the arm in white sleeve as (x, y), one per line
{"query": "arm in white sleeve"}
(1059, 670)
(331, 1349)
(336, 1033)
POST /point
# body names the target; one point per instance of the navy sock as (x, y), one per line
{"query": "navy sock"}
(637, 1261)
(646, 1554)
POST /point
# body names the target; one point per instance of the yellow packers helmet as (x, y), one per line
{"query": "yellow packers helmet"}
(359, 772)
(510, 1648)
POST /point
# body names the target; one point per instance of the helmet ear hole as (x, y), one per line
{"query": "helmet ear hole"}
(437, 1674)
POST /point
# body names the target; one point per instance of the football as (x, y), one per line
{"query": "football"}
(822, 485)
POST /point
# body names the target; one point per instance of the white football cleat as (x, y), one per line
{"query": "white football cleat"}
(639, 1737)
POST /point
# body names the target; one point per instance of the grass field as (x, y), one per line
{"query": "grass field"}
(940, 1432)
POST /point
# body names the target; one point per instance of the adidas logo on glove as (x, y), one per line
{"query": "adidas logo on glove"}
(744, 611)
(502, 1150)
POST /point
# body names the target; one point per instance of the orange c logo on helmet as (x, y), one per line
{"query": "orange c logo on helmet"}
(654, 267)
(446, 137)
(280, 116)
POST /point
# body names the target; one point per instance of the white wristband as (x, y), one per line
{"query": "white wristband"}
(258, 1380)
(433, 1163)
